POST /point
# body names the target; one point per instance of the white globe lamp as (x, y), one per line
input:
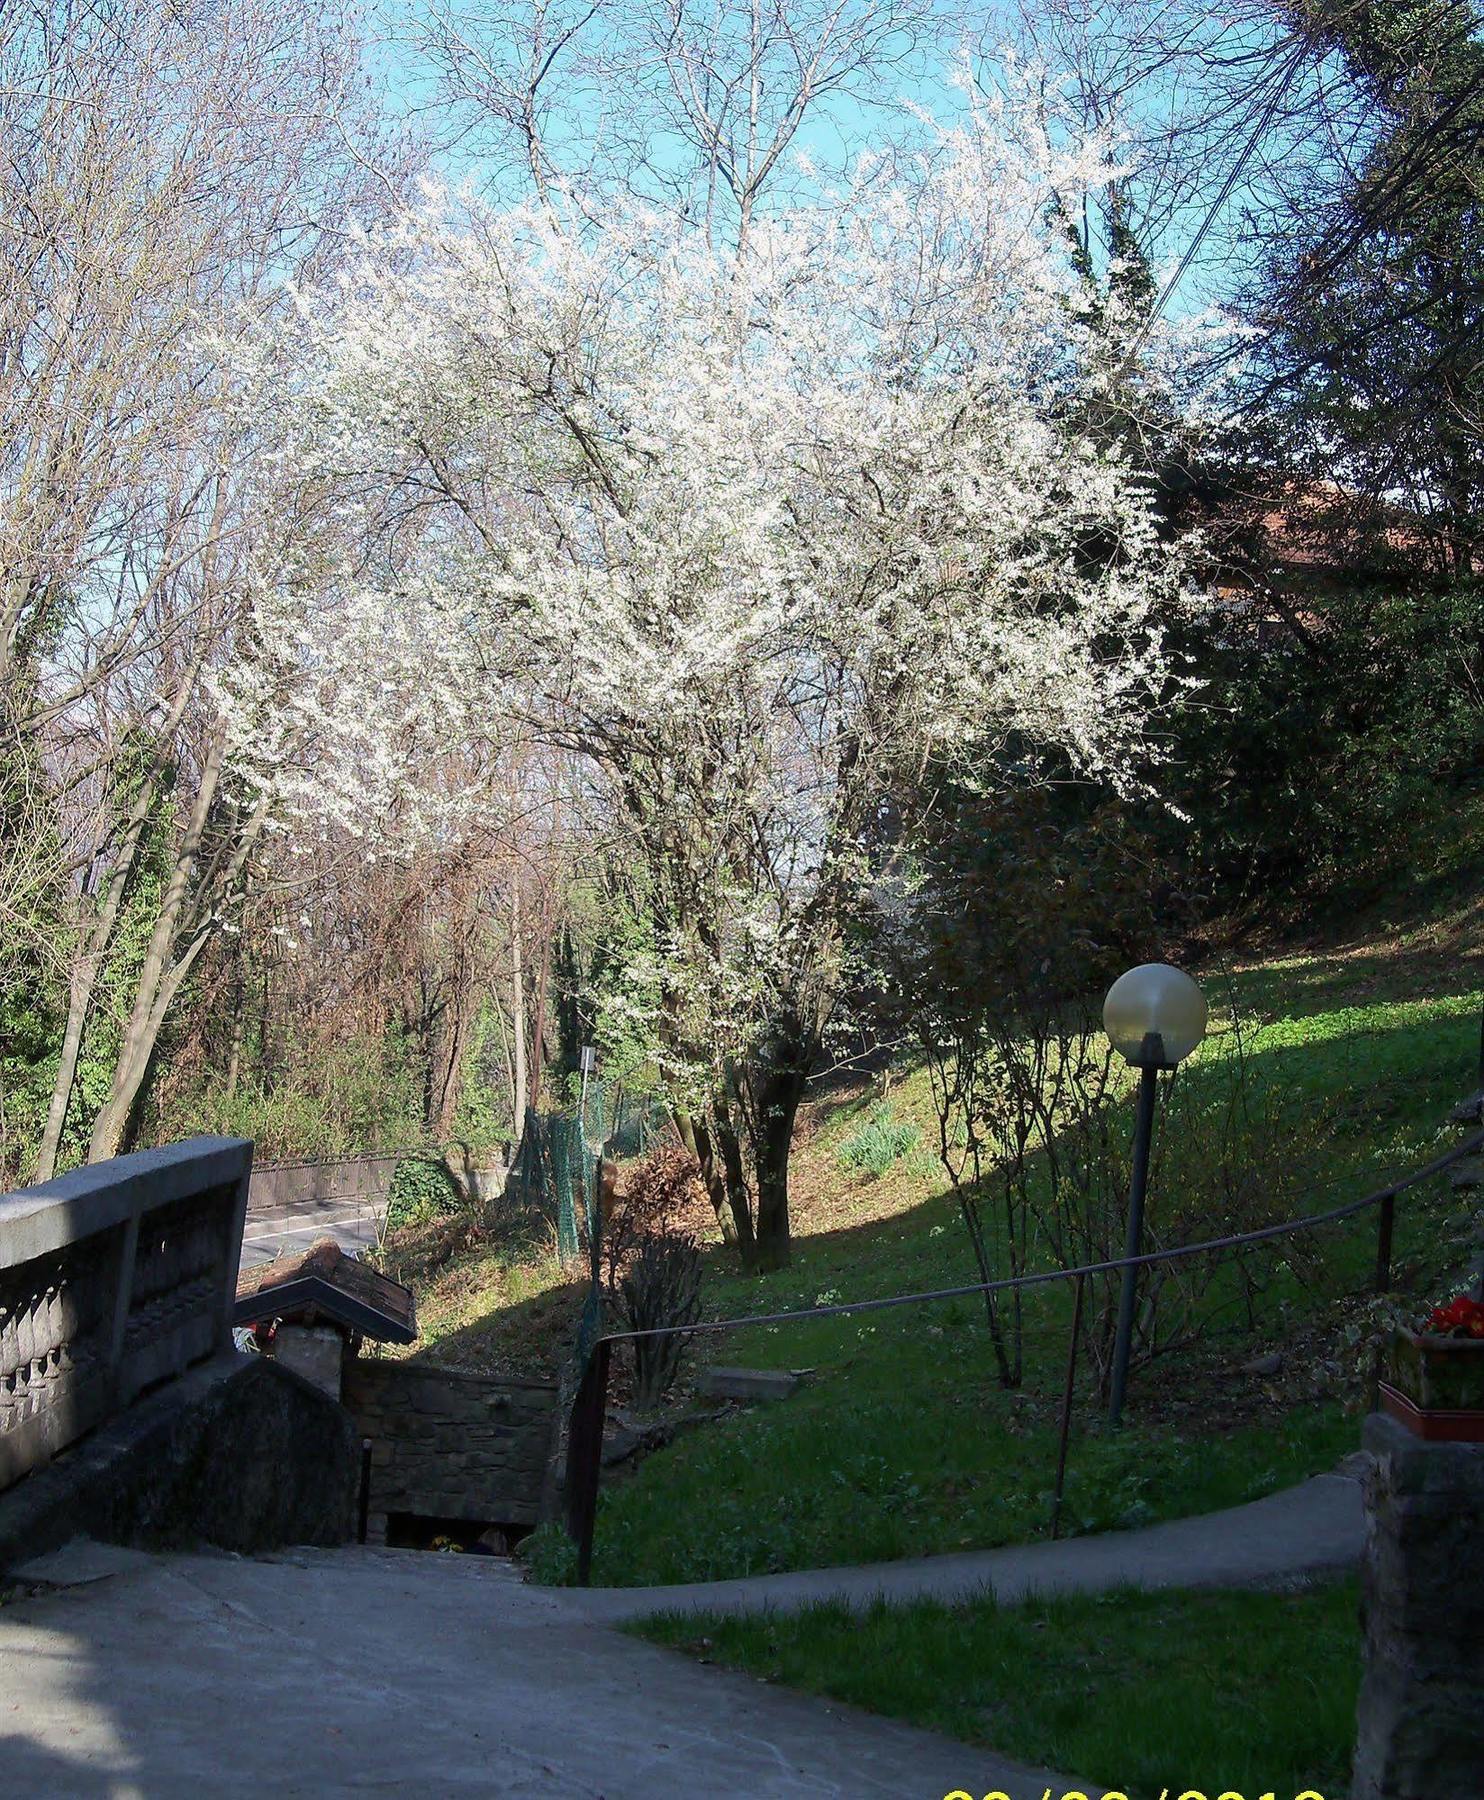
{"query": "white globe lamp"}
(1154, 1017)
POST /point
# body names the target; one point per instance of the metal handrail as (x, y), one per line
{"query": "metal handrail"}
(1236, 1241)
(589, 1405)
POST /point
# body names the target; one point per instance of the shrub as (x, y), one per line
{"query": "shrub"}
(422, 1190)
(663, 1194)
(549, 1554)
(878, 1143)
(660, 1287)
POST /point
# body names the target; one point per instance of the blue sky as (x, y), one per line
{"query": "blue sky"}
(844, 125)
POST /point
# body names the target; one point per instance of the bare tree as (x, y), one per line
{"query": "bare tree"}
(160, 176)
(704, 108)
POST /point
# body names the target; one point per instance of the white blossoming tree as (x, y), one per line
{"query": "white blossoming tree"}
(761, 538)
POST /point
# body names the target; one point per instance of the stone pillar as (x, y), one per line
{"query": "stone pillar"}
(317, 1352)
(1420, 1722)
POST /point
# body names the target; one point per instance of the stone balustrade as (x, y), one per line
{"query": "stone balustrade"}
(113, 1278)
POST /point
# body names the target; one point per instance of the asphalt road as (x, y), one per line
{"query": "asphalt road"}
(279, 1231)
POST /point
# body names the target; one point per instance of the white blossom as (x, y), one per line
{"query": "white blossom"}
(758, 538)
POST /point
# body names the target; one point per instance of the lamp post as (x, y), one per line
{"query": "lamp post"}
(1154, 1017)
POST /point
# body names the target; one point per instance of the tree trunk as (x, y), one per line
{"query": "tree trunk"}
(184, 926)
(519, 1097)
(735, 1225)
(79, 1002)
(234, 1041)
(146, 1017)
(85, 973)
(452, 1042)
(773, 1140)
(505, 1051)
(538, 1035)
(739, 1199)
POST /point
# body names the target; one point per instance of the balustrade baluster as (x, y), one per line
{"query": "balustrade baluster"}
(93, 1320)
(9, 1358)
(25, 1350)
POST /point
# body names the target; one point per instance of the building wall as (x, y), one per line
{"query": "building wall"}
(314, 1351)
(452, 1446)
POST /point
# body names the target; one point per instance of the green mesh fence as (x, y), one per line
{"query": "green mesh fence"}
(544, 1174)
(557, 1175)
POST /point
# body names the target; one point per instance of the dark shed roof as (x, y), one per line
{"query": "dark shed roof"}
(335, 1286)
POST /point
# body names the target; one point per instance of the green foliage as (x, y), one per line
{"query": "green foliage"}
(903, 1450)
(901, 1443)
(875, 1145)
(1338, 757)
(31, 1021)
(550, 1555)
(422, 1190)
(325, 1099)
(1381, 295)
(1020, 901)
(35, 942)
(608, 993)
(1247, 1692)
(36, 938)
(1345, 763)
(483, 1115)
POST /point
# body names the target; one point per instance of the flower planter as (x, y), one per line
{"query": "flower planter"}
(1435, 1386)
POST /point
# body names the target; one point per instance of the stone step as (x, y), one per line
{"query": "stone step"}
(1470, 1111)
(748, 1384)
(1467, 1175)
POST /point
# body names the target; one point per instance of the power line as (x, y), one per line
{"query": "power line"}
(1265, 118)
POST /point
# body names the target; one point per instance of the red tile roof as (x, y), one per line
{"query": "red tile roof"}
(323, 1279)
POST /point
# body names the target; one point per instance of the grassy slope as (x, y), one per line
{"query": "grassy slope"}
(1216, 1692)
(901, 1441)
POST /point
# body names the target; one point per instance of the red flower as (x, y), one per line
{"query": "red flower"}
(1462, 1317)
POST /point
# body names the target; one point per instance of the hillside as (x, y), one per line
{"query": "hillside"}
(901, 1439)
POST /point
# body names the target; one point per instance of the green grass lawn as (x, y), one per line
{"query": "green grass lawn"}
(906, 1460)
(1251, 1692)
(901, 1441)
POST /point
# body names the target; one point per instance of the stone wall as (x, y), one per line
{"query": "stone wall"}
(239, 1453)
(1421, 1714)
(359, 1183)
(447, 1445)
(317, 1352)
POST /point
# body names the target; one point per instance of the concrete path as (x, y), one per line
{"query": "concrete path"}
(1310, 1529)
(345, 1672)
(357, 1672)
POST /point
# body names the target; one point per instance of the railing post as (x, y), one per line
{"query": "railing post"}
(1066, 1409)
(363, 1509)
(585, 1455)
(1385, 1227)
